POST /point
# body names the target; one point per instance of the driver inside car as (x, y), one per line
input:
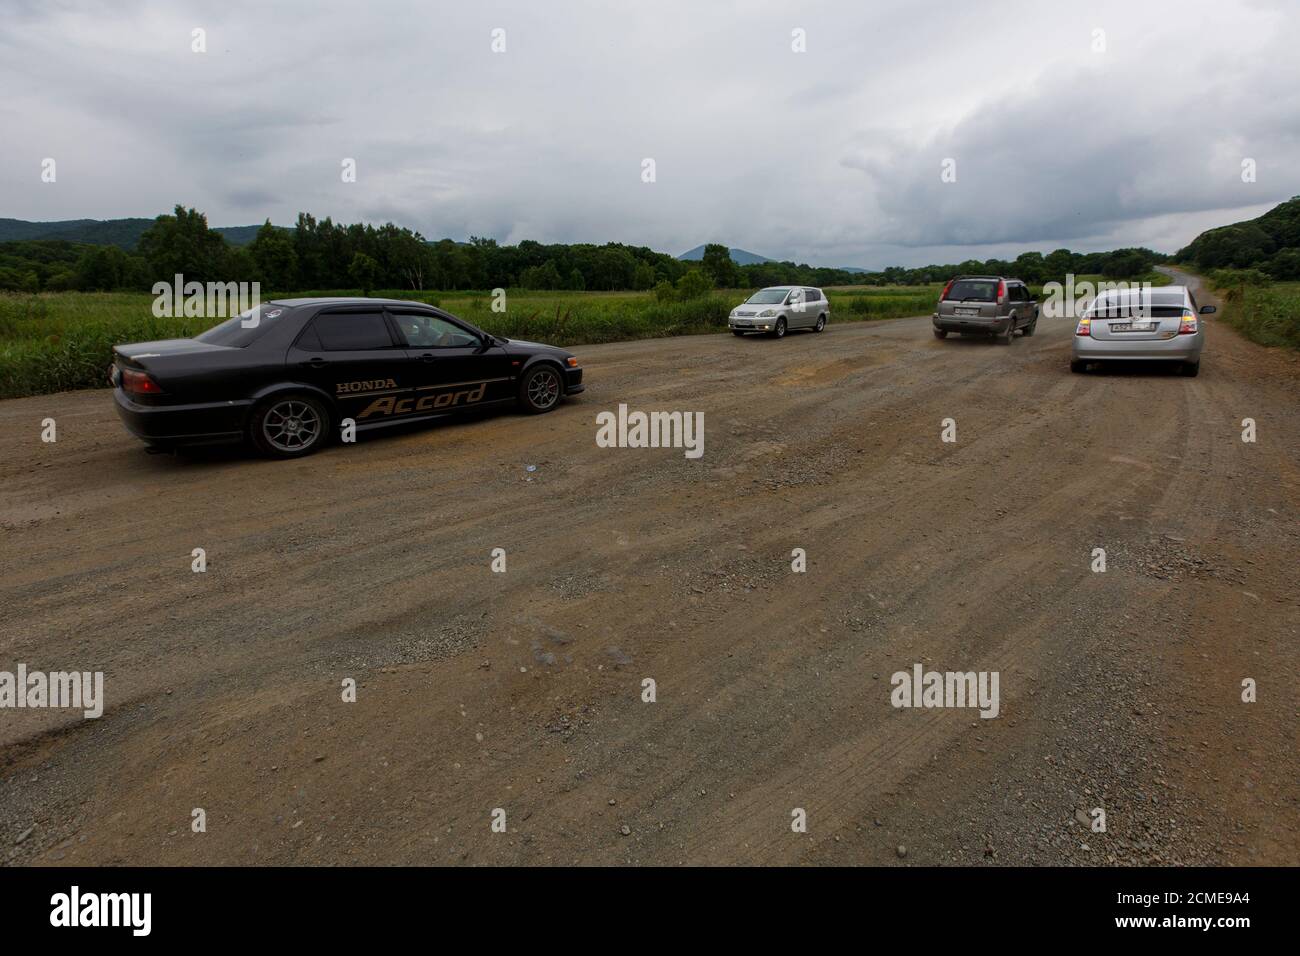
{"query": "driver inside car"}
(423, 331)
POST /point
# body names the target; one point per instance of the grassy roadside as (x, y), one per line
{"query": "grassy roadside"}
(57, 341)
(1268, 315)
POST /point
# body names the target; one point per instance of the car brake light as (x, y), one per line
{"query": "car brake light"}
(1002, 290)
(1084, 327)
(1188, 325)
(943, 295)
(139, 382)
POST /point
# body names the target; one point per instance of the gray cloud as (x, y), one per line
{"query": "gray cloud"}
(830, 156)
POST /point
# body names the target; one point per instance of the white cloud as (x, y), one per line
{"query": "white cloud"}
(830, 156)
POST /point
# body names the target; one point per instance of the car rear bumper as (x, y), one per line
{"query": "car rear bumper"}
(171, 425)
(1180, 348)
(961, 323)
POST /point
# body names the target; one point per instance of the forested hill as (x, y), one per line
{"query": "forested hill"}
(1270, 243)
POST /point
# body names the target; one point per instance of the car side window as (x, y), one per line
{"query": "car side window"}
(796, 295)
(352, 331)
(813, 295)
(425, 331)
(309, 341)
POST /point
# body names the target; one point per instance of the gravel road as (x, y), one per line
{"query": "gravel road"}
(1119, 691)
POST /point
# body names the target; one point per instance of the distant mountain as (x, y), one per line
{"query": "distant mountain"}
(243, 235)
(123, 233)
(738, 256)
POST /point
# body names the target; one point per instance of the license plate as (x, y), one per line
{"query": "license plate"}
(968, 311)
(1133, 326)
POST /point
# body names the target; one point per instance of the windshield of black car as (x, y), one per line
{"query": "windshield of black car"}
(767, 297)
(240, 330)
(975, 290)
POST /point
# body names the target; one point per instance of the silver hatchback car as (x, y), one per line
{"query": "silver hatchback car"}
(779, 308)
(1143, 325)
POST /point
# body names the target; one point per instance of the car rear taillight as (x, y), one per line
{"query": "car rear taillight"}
(1084, 327)
(139, 382)
(944, 295)
(1002, 290)
(1188, 325)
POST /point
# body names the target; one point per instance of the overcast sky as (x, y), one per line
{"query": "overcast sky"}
(831, 156)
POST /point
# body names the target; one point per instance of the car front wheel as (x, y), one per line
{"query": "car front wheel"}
(289, 426)
(779, 331)
(540, 389)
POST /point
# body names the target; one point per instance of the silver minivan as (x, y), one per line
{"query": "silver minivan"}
(780, 308)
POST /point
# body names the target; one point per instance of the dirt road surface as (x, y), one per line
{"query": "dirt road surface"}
(1119, 691)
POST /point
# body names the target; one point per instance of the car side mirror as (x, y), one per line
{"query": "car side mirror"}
(1207, 309)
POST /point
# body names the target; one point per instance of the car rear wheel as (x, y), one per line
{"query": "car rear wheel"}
(940, 333)
(1078, 367)
(779, 331)
(289, 426)
(540, 389)
(821, 324)
(1190, 369)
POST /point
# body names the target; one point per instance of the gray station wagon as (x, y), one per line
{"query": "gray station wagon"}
(985, 305)
(777, 309)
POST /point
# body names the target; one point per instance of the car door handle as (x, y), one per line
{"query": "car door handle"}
(315, 361)
(427, 357)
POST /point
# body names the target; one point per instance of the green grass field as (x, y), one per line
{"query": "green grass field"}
(1269, 315)
(52, 342)
(56, 341)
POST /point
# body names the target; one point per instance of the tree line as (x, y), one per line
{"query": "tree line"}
(321, 255)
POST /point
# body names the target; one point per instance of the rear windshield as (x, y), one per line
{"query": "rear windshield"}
(768, 297)
(239, 330)
(1125, 304)
(974, 290)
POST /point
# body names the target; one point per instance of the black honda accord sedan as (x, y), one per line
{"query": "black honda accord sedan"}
(290, 375)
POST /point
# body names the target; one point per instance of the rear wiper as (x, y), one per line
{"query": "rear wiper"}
(975, 297)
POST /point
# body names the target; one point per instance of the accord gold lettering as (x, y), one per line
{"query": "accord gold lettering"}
(391, 405)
